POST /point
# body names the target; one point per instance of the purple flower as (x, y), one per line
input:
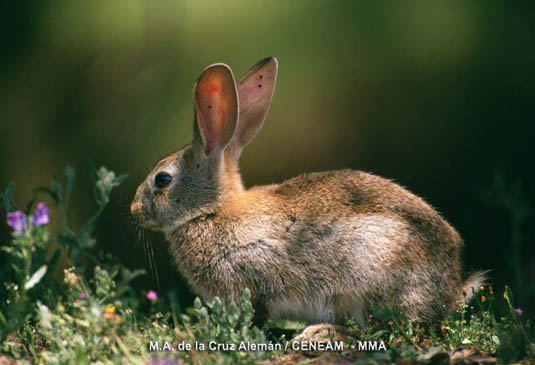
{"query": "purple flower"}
(152, 295)
(519, 311)
(83, 296)
(17, 221)
(40, 216)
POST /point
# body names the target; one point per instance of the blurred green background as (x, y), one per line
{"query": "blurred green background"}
(435, 95)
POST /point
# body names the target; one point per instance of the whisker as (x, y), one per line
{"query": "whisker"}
(147, 248)
(155, 268)
(142, 238)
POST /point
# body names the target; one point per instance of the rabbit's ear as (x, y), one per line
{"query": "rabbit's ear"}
(216, 108)
(255, 91)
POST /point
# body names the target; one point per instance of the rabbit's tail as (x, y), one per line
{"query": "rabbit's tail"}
(472, 284)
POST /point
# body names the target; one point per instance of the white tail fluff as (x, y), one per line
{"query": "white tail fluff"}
(474, 281)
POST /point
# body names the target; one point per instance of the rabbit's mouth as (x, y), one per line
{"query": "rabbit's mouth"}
(150, 226)
(137, 212)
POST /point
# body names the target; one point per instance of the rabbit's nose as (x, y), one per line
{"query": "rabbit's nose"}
(136, 208)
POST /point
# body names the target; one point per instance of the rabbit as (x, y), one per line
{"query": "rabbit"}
(318, 248)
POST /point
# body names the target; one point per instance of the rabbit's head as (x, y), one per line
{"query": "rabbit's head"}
(198, 178)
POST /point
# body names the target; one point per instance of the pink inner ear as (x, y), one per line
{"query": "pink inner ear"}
(215, 87)
(256, 89)
(211, 109)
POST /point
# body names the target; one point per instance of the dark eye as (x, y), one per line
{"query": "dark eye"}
(162, 179)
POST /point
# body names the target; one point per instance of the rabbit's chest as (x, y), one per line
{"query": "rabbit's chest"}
(222, 261)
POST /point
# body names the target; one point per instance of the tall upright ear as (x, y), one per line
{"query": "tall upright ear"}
(216, 108)
(255, 91)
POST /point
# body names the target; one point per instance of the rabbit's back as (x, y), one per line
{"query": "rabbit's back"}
(324, 198)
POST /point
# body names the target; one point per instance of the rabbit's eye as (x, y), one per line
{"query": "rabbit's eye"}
(162, 179)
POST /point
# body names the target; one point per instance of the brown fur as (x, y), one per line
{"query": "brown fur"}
(318, 247)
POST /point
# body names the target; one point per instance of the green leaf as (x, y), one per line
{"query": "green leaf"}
(57, 187)
(67, 240)
(129, 275)
(3, 322)
(7, 249)
(508, 295)
(377, 334)
(113, 271)
(36, 277)
(217, 306)
(466, 341)
(70, 174)
(30, 205)
(119, 179)
(8, 205)
(105, 181)
(85, 240)
(74, 255)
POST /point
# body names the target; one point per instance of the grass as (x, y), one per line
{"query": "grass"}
(95, 315)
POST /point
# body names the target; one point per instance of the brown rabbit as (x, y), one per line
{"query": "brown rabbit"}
(318, 247)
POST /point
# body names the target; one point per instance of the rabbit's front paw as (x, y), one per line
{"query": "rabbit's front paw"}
(322, 332)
